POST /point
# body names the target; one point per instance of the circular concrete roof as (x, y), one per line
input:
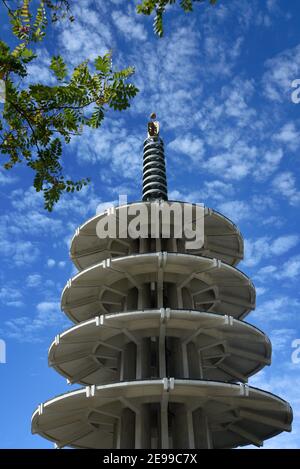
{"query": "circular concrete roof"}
(89, 353)
(237, 414)
(208, 284)
(222, 239)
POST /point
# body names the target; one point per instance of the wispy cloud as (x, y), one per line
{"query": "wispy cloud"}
(29, 329)
(265, 247)
(285, 185)
(281, 70)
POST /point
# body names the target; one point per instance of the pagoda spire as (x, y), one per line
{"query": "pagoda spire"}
(154, 167)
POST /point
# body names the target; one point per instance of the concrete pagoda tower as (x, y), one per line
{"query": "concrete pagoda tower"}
(159, 342)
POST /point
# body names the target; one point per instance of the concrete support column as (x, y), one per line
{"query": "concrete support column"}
(139, 361)
(145, 426)
(172, 245)
(140, 302)
(127, 429)
(121, 364)
(143, 245)
(190, 428)
(117, 434)
(162, 351)
(179, 298)
(180, 435)
(200, 364)
(164, 426)
(185, 361)
(160, 290)
(203, 439)
(145, 357)
(138, 430)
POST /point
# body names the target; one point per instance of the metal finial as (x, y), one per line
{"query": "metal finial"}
(153, 127)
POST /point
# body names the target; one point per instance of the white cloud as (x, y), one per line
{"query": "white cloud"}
(211, 191)
(88, 36)
(285, 184)
(289, 136)
(281, 339)
(265, 247)
(6, 178)
(260, 291)
(290, 269)
(235, 164)
(11, 297)
(51, 263)
(236, 210)
(20, 251)
(27, 329)
(281, 70)
(128, 25)
(269, 164)
(188, 145)
(281, 308)
(33, 280)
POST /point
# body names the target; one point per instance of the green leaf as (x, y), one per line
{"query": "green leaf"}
(59, 67)
(103, 64)
(97, 117)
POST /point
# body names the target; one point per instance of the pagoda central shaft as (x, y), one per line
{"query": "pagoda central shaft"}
(154, 166)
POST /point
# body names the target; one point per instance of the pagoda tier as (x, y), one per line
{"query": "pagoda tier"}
(163, 413)
(222, 239)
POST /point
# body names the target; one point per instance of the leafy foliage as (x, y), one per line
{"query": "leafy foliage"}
(39, 119)
(146, 7)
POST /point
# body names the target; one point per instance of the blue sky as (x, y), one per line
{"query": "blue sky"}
(220, 83)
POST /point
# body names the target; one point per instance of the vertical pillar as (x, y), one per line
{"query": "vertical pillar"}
(145, 357)
(203, 439)
(127, 430)
(122, 365)
(200, 364)
(180, 433)
(145, 412)
(143, 245)
(164, 425)
(139, 361)
(190, 427)
(138, 430)
(162, 351)
(185, 361)
(117, 434)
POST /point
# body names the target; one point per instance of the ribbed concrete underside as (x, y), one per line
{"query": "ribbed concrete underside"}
(179, 280)
(164, 413)
(199, 345)
(222, 239)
